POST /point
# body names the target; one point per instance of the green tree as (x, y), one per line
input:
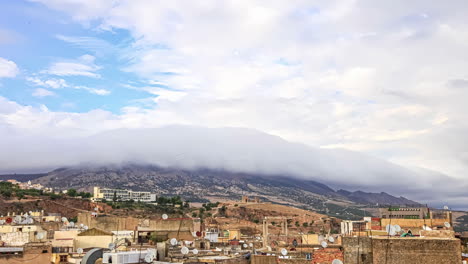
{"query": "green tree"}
(305, 224)
(72, 192)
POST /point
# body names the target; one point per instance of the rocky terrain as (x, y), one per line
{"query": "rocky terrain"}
(217, 185)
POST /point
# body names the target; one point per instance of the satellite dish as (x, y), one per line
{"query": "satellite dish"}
(397, 228)
(81, 225)
(17, 219)
(198, 234)
(447, 224)
(184, 250)
(390, 230)
(72, 224)
(149, 258)
(331, 239)
(2, 222)
(245, 245)
(427, 228)
(111, 246)
(64, 219)
(9, 220)
(324, 244)
(173, 241)
(446, 207)
(164, 216)
(85, 227)
(250, 244)
(79, 251)
(337, 261)
(40, 236)
(284, 251)
(195, 251)
(320, 238)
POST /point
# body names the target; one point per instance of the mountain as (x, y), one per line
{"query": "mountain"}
(202, 185)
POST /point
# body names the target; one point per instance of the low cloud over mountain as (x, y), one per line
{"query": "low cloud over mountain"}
(232, 149)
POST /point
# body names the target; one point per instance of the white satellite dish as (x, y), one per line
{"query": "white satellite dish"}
(81, 225)
(17, 219)
(184, 250)
(72, 224)
(173, 241)
(447, 224)
(40, 236)
(64, 219)
(111, 246)
(85, 227)
(427, 228)
(2, 222)
(149, 258)
(79, 251)
(324, 244)
(30, 212)
(245, 246)
(390, 230)
(284, 251)
(331, 239)
(195, 251)
(337, 261)
(446, 207)
(397, 228)
(250, 244)
(164, 216)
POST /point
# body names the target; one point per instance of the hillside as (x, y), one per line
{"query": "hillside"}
(215, 185)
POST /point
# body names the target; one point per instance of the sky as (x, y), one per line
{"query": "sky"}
(385, 79)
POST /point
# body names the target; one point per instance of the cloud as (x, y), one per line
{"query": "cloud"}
(93, 90)
(386, 79)
(50, 83)
(83, 66)
(40, 92)
(96, 45)
(8, 69)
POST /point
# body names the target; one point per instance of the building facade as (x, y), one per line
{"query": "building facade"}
(122, 195)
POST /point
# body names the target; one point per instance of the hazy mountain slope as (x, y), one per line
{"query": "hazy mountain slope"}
(203, 185)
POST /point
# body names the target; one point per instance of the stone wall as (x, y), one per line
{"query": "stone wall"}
(401, 250)
(327, 255)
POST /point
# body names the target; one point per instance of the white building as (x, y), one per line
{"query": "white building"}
(122, 195)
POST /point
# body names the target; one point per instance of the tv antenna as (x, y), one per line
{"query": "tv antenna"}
(40, 236)
(184, 250)
(284, 252)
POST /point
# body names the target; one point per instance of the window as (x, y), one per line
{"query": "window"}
(63, 258)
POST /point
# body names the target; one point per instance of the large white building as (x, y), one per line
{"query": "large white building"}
(122, 195)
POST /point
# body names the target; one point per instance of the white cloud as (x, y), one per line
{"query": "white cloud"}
(50, 83)
(83, 66)
(41, 92)
(379, 78)
(93, 90)
(8, 69)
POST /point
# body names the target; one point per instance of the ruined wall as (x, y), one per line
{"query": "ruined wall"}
(416, 251)
(357, 249)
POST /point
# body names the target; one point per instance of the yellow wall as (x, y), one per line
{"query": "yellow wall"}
(310, 239)
(413, 222)
(234, 233)
(93, 241)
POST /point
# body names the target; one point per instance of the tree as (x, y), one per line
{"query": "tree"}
(305, 224)
(114, 198)
(72, 192)
(297, 223)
